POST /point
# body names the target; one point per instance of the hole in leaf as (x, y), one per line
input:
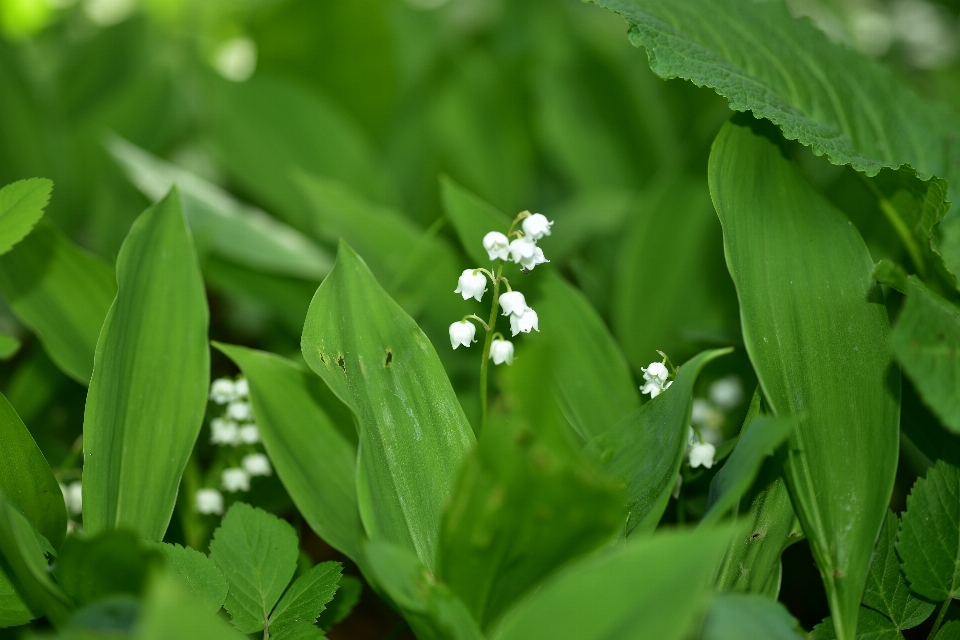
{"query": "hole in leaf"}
(322, 358)
(389, 358)
(341, 363)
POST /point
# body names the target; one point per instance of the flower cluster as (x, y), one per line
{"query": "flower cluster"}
(655, 377)
(707, 418)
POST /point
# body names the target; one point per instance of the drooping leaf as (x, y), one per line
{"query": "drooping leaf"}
(887, 589)
(306, 597)
(148, 392)
(21, 205)
(301, 422)
(413, 433)
(346, 598)
(170, 611)
(62, 294)
(9, 346)
(257, 553)
(652, 587)
(109, 563)
(196, 574)
(472, 218)
(27, 480)
(926, 341)
(870, 626)
(929, 542)
(645, 449)
(807, 301)
(750, 617)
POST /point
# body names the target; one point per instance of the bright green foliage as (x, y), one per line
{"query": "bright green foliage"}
(929, 541)
(822, 94)
(109, 563)
(749, 617)
(413, 433)
(590, 377)
(148, 391)
(301, 631)
(257, 553)
(926, 341)
(949, 631)
(196, 574)
(472, 218)
(646, 448)
(807, 304)
(26, 479)
(653, 587)
(170, 611)
(62, 293)
(887, 589)
(21, 205)
(9, 346)
(306, 598)
(301, 422)
(870, 626)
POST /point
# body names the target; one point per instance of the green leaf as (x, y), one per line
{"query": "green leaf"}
(645, 449)
(196, 574)
(346, 598)
(170, 611)
(237, 232)
(949, 631)
(826, 96)
(891, 274)
(257, 553)
(472, 218)
(301, 631)
(109, 563)
(62, 294)
(761, 437)
(926, 341)
(870, 626)
(13, 610)
(652, 587)
(590, 376)
(148, 393)
(21, 205)
(26, 478)
(807, 302)
(929, 541)
(9, 346)
(887, 589)
(306, 598)
(301, 422)
(413, 433)
(750, 617)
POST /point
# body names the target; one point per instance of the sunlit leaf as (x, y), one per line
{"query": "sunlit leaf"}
(21, 205)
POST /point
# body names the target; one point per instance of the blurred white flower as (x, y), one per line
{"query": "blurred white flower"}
(235, 479)
(241, 388)
(513, 303)
(726, 393)
(524, 322)
(523, 249)
(536, 226)
(224, 432)
(208, 502)
(223, 390)
(239, 410)
(472, 284)
(501, 351)
(462, 333)
(705, 414)
(497, 245)
(73, 497)
(104, 13)
(236, 59)
(701, 454)
(249, 434)
(872, 31)
(256, 464)
(655, 371)
(926, 30)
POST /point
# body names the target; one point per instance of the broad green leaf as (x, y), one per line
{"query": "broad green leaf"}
(235, 231)
(306, 597)
(826, 96)
(13, 610)
(301, 631)
(413, 433)
(926, 341)
(109, 563)
(652, 587)
(170, 611)
(645, 449)
(257, 553)
(196, 574)
(929, 541)
(807, 302)
(870, 626)
(148, 393)
(8, 346)
(887, 589)
(26, 478)
(431, 609)
(761, 437)
(590, 376)
(750, 617)
(472, 218)
(949, 631)
(301, 423)
(21, 205)
(62, 294)
(346, 598)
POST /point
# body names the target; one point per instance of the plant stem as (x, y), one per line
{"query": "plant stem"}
(940, 617)
(491, 325)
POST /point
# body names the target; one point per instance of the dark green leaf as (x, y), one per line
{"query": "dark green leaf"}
(891, 274)
(13, 610)
(257, 553)
(870, 626)
(8, 346)
(949, 631)
(346, 598)
(109, 563)
(300, 631)
(21, 205)
(112, 616)
(413, 433)
(750, 617)
(472, 218)
(148, 393)
(170, 611)
(887, 589)
(196, 573)
(807, 302)
(62, 294)
(306, 598)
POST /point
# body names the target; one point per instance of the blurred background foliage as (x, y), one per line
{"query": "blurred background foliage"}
(316, 119)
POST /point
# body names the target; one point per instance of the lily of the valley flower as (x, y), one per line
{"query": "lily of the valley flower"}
(701, 454)
(522, 249)
(239, 410)
(513, 303)
(472, 284)
(462, 333)
(655, 371)
(536, 226)
(208, 502)
(497, 245)
(727, 393)
(248, 434)
(654, 387)
(223, 390)
(73, 497)
(235, 479)
(524, 322)
(501, 351)
(224, 432)
(256, 464)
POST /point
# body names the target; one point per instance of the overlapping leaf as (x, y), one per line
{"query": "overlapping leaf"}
(750, 617)
(887, 589)
(21, 205)
(197, 574)
(306, 598)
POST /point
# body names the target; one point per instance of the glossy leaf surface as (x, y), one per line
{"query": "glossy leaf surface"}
(21, 206)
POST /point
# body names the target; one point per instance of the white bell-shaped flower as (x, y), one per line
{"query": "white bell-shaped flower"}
(235, 479)
(208, 502)
(702, 454)
(513, 303)
(655, 370)
(256, 464)
(472, 284)
(462, 333)
(523, 249)
(497, 245)
(524, 322)
(223, 390)
(654, 387)
(534, 260)
(501, 351)
(73, 497)
(727, 393)
(239, 410)
(241, 388)
(536, 226)
(224, 432)
(248, 434)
